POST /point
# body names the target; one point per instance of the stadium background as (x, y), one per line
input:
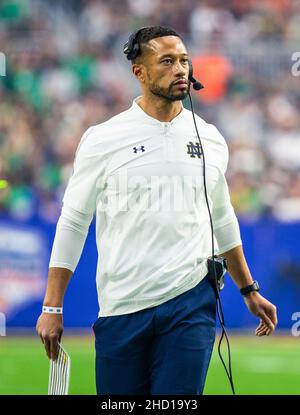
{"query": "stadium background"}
(65, 71)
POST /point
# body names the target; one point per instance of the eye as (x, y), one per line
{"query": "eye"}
(167, 61)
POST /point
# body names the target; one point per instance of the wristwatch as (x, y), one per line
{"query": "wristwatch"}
(252, 287)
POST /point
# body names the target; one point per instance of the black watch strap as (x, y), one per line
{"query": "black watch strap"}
(252, 287)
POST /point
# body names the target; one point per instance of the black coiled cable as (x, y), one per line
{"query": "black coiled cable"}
(219, 303)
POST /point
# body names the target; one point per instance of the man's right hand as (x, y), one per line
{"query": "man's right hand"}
(50, 328)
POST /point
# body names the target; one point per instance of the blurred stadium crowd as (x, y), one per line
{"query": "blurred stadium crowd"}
(66, 71)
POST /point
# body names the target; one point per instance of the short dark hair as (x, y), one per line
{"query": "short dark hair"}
(148, 33)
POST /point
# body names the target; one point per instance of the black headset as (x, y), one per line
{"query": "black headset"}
(132, 50)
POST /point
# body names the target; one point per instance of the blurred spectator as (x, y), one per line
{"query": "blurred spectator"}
(66, 71)
(214, 71)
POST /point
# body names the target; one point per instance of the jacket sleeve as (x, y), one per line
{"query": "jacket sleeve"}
(71, 231)
(83, 186)
(225, 223)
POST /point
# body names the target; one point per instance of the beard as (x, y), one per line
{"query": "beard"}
(167, 93)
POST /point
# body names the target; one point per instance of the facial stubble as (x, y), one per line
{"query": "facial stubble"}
(166, 93)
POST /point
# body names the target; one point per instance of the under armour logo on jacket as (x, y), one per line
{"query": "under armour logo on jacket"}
(194, 149)
(136, 149)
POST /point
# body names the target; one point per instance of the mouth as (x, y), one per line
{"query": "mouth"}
(182, 82)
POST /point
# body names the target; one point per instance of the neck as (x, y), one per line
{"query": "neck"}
(160, 108)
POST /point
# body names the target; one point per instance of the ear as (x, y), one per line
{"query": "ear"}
(139, 71)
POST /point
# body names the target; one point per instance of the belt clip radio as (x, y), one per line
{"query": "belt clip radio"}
(220, 267)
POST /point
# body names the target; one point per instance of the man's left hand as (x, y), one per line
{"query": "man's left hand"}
(262, 308)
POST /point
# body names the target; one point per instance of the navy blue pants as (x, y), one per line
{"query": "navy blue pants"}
(160, 350)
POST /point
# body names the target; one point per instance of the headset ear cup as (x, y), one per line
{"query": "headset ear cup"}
(135, 50)
(132, 47)
(129, 46)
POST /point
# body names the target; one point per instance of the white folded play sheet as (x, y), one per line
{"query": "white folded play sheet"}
(59, 375)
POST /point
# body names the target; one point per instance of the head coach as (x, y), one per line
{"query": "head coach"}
(140, 173)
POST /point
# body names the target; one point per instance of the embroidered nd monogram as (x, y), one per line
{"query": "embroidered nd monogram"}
(194, 149)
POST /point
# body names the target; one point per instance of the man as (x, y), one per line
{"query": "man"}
(156, 326)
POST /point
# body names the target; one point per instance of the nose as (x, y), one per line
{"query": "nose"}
(179, 69)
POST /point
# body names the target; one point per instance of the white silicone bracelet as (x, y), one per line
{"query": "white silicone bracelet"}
(52, 310)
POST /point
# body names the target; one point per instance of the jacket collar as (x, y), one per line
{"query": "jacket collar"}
(139, 111)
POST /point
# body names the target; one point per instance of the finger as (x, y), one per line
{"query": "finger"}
(262, 329)
(273, 315)
(266, 331)
(266, 320)
(47, 346)
(260, 326)
(54, 348)
(269, 331)
(262, 332)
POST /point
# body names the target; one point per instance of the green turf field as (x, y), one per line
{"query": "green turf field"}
(260, 366)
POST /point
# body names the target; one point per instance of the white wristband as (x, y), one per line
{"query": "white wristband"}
(52, 310)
